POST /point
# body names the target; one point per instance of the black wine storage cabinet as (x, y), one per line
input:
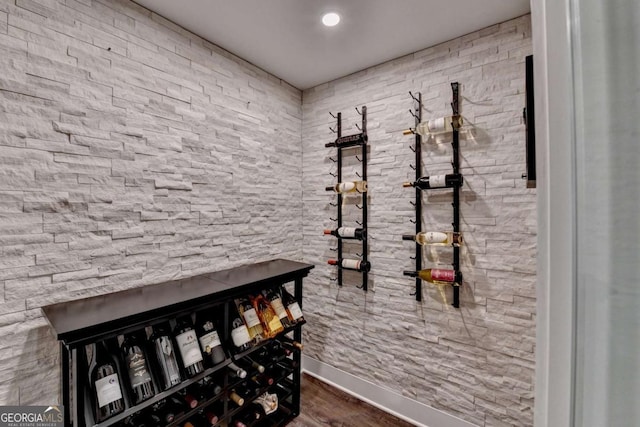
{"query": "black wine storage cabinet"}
(83, 322)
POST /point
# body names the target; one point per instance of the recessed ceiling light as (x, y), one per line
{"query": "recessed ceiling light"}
(331, 19)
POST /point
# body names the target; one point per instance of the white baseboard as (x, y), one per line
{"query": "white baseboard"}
(389, 401)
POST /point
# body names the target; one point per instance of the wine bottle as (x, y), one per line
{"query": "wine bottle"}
(436, 275)
(236, 397)
(348, 233)
(209, 339)
(249, 362)
(140, 420)
(189, 349)
(439, 238)
(271, 323)
(210, 387)
(293, 308)
(275, 300)
(439, 125)
(287, 342)
(184, 401)
(251, 319)
(136, 363)
(239, 333)
(268, 402)
(349, 187)
(351, 264)
(161, 344)
(214, 412)
(164, 412)
(106, 384)
(237, 370)
(262, 380)
(436, 181)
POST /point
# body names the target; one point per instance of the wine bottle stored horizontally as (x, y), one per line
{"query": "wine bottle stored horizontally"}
(166, 359)
(268, 402)
(237, 370)
(436, 126)
(163, 412)
(439, 238)
(351, 264)
(271, 323)
(106, 384)
(209, 339)
(251, 319)
(275, 300)
(262, 380)
(291, 304)
(238, 395)
(289, 343)
(135, 361)
(348, 233)
(250, 364)
(188, 346)
(349, 187)
(436, 275)
(436, 181)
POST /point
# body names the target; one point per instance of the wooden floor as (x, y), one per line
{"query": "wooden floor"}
(323, 405)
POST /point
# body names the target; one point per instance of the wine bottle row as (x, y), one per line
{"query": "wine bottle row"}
(454, 239)
(161, 356)
(257, 386)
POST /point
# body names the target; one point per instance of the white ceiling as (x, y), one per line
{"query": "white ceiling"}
(287, 39)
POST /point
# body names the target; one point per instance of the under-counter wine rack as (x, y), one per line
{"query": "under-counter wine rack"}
(80, 323)
(342, 143)
(418, 204)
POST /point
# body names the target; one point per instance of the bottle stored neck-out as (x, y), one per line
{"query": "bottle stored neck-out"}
(437, 181)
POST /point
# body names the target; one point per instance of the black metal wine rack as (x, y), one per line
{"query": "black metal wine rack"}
(455, 163)
(342, 143)
(83, 322)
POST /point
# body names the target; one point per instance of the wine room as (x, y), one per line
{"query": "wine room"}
(297, 213)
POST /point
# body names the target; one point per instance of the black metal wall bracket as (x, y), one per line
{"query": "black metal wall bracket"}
(341, 143)
(417, 149)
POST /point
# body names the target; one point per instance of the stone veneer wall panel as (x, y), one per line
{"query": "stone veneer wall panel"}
(477, 362)
(131, 152)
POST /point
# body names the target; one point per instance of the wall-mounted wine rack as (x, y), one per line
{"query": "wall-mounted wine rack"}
(417, 149)
(342, 143)
(455, 163)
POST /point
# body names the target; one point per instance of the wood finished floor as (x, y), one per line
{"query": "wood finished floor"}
(323, 405)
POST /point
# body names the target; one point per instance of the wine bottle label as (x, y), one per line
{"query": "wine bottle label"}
(275, 325)
(108, 390)
(345, 187)
(278, 307)
(437, 125)
(189, 348)
(437, 181)
(137, 366)
(347, 232)
(435, 237)
(240, 336)
(295, 311)
(209, 341)
(353, 264)
(443, 275)
(251, 318)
